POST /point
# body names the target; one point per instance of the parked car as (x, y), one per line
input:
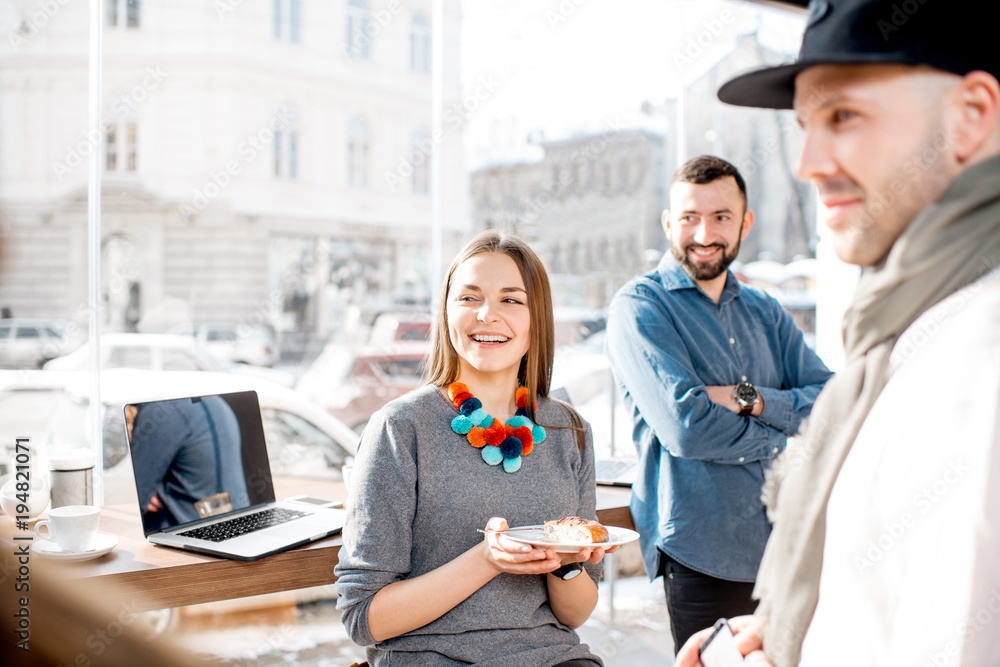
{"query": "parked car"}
(352, 382)
(51, 409)
(161, 352)
(238, 342)
(396, 327)
(29, 343)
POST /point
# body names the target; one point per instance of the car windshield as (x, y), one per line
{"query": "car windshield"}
(298, 447)
(400, 370)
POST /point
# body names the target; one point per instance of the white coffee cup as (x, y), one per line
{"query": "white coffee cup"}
(34, 499)
(72, 527)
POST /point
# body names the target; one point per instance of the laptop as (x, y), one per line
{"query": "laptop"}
(615, 472)
(607, 471)
(204, 481)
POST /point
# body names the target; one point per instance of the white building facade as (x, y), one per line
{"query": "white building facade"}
(263, 160)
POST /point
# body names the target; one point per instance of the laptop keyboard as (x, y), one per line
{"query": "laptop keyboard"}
(241, 525)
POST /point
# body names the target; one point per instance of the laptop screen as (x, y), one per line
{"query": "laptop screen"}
(196, 458)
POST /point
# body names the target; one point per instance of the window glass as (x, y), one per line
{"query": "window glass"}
(111, 149)
(357, 153)
(359, 31)
(420, 44)
(130, 147)
(421, 160)
(216, 335)
(132, 9)
(285, 22)
(293, 21)
(122, 13)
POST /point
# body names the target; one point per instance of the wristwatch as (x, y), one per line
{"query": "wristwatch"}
(567, 572)
(746, 397)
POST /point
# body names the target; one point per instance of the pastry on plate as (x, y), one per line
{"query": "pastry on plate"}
(573, 529)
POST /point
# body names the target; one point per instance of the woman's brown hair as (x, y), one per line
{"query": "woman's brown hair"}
(535, 371)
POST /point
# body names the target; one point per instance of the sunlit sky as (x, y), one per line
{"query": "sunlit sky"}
(563, 66)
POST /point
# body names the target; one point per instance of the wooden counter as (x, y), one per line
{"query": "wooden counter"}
(146, 576)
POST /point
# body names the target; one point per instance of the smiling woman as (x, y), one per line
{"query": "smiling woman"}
(416, 578)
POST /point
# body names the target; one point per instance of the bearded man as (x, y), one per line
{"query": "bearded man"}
(716, 376)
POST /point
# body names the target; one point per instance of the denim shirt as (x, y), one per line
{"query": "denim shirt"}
(697, 496)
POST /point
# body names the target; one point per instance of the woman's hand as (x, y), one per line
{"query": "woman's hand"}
(506, 555)
(585, 555)
(518, 558)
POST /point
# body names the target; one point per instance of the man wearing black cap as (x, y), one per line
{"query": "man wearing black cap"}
(887, 516)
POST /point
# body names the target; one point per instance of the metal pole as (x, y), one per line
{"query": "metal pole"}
(437, 142)
(611, 575)
(612, 390)
(94, 244)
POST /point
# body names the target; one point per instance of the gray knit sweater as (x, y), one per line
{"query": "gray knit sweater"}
(419, 493)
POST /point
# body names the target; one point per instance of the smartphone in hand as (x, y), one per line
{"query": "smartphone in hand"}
(719, 650)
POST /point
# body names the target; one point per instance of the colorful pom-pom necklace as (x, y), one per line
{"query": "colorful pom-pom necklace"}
(499, 443)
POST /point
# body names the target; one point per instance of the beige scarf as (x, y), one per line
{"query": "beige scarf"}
(948, 246)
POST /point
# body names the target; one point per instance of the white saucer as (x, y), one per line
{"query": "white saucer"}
(102, 544)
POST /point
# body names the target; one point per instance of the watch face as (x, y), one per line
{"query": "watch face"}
(745, 394)
(567, 572)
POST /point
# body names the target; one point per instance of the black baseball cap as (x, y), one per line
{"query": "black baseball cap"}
(953, 35)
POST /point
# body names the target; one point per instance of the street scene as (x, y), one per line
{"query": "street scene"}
(279, 199)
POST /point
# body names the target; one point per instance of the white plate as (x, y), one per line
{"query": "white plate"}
(102, 544)
(533, 535)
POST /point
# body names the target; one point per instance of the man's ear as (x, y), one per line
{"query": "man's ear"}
(976, 129)
(665, 222)
(747, 224)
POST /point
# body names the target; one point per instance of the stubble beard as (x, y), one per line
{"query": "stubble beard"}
(701, 270)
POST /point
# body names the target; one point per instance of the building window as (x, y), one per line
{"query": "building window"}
(286, 154)
(420, 44)
(286, 20)
(420, 158)
(358, 37)
(122, 13)
(357, 153)
(120, 148)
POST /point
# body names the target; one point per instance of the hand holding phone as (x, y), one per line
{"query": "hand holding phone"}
(719, 650)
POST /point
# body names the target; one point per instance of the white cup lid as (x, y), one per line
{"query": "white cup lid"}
(78, 459)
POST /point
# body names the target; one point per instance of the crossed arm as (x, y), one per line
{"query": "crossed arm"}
(653, 360)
